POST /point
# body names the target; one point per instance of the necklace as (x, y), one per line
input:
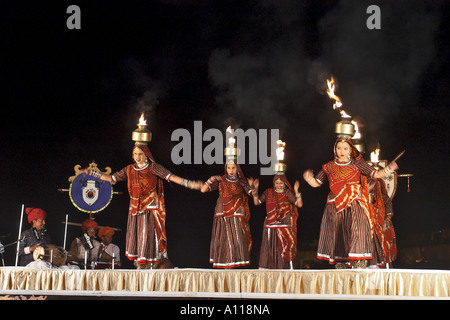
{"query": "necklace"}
(141, 166)
(342, 163)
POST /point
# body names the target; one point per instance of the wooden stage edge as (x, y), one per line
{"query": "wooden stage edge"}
(193, 284)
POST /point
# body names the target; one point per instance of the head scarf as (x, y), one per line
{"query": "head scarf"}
(146, 151)
(89, 223)
(35, 213)
(354, 153)
(283, 178)
(239, 170)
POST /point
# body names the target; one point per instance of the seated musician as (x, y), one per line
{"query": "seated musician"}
(108, 250)
(84, 250)
(33, 237)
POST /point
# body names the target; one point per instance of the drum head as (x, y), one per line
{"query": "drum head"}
(52, 254)
(38, 253)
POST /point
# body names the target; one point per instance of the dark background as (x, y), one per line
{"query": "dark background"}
(70, 97)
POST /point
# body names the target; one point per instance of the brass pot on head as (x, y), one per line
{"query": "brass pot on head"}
(359, 146)
(345, 128)
(142, 135)
(280, 168)
(231, 152)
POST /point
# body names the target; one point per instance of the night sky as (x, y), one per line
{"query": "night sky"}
(71, 97)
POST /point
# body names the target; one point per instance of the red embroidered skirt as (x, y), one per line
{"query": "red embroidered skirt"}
(229, 247)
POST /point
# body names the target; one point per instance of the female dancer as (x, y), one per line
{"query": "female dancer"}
(279, 242)
(231, 240)
(384, 233)
(346, 229)
(146, 240)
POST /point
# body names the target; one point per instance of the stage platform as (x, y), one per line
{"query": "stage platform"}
(227, 284)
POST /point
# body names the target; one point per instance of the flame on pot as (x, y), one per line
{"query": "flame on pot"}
(142, 121)
(338, 103)
(280, 150)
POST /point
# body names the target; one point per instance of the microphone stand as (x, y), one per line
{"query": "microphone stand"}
(65, 231)
(18, 238)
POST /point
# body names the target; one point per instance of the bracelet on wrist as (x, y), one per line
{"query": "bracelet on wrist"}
(187, 183)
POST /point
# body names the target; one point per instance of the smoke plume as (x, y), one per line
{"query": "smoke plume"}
(274, 74)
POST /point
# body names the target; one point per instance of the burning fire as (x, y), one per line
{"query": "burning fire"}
(344, 114)
(357, 134)
(231, 140)
(338, 103)
(280, 150)
(374, 155)
(330, 91)
(142, 121)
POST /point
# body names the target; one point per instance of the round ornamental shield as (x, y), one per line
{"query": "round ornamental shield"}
(90, 194)
(390, 180)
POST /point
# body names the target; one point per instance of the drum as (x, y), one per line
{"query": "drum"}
(51, 253)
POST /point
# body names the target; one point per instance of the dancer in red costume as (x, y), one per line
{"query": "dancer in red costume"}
(231, 240)
(346, 232)
(279, 243)
(383, 213)
(146, 239)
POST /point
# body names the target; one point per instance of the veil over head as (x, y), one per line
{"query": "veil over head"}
(354, 153)
(146, 151)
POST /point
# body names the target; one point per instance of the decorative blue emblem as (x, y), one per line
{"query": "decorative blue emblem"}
(90, 194)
